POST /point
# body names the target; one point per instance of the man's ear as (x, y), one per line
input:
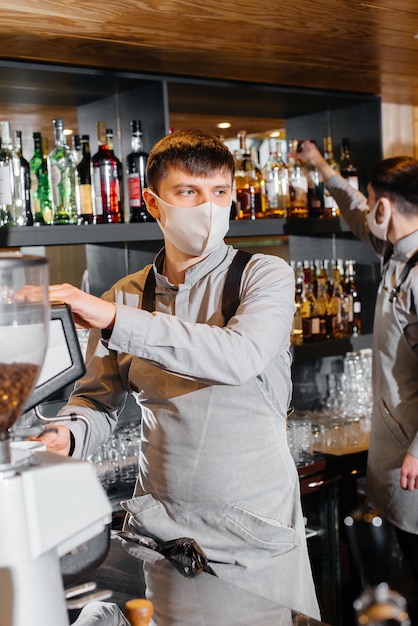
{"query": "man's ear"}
(384, 210)
(151, 203)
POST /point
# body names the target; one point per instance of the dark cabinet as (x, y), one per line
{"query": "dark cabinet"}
(330, 488)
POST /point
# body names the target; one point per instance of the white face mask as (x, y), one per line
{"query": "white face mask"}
(196, 230)
(379, 230)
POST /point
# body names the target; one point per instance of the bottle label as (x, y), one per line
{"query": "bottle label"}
(98, 203)
(55, 181)
(5, 185)
(86, 204)
(134, 190)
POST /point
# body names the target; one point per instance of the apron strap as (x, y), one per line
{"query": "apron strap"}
(408, 266)
(230, 295)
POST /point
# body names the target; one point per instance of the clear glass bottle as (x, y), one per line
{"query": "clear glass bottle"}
(347, 168)
(249, 184)
(276, 177)
(84, 187)
(39, 188)
(298, 185)
(353, 298)
(62, 178)
(6, 176)
(107, 207)
(331, 206)
(136, 162)
(22, 182)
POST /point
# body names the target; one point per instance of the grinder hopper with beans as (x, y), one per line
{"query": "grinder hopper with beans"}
(50, 505)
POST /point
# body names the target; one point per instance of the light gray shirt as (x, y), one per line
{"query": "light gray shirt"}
(214, 464)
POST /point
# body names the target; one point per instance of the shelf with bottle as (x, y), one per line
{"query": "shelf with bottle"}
(12, 236)
(327, 300)
(284, 187)
(68, 186)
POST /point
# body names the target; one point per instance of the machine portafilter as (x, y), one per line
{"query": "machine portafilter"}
(50, 505)
(368, 540)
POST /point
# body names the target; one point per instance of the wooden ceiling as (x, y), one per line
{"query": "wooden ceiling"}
(344, 45)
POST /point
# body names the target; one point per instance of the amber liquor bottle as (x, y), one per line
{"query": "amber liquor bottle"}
(249, 183)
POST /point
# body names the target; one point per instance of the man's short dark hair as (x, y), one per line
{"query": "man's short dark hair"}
(396, 178)
(192, 151)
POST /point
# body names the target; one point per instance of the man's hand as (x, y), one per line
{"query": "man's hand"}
(409, 473)
(57, 438)
(308, 153)
(88, 311)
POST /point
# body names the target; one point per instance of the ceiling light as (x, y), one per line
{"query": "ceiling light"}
(68, 131)
(224, 125)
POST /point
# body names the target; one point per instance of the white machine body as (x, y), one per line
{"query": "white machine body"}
(47, 508)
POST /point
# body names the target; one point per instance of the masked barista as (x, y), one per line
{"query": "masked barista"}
(388, 221)
(214, 465)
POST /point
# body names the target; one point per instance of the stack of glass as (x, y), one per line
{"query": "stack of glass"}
(116, 461)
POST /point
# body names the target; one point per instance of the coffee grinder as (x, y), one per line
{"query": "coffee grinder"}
(49, 504)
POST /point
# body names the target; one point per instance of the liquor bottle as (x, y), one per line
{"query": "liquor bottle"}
(22, 181)
(296, 336)
(84, 187)
(77, 149)
(331, 206)
(136, 162)
(298, 185)
(276, 177)
(347, 169)
(6, 176)
(61, 171)
(311, 326)
(249, 184)
(353, 296)
(338, 305)
(39, 189)
(106, 183)
(316, 205)
(110, 145)
(322, 299)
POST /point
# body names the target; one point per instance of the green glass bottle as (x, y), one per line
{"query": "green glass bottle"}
(62, 179)
(40, 197)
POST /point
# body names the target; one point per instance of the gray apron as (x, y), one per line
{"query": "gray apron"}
(219, 470)
(395, 416)
(222, 474)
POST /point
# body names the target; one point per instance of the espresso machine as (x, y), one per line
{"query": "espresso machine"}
(49, 504)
